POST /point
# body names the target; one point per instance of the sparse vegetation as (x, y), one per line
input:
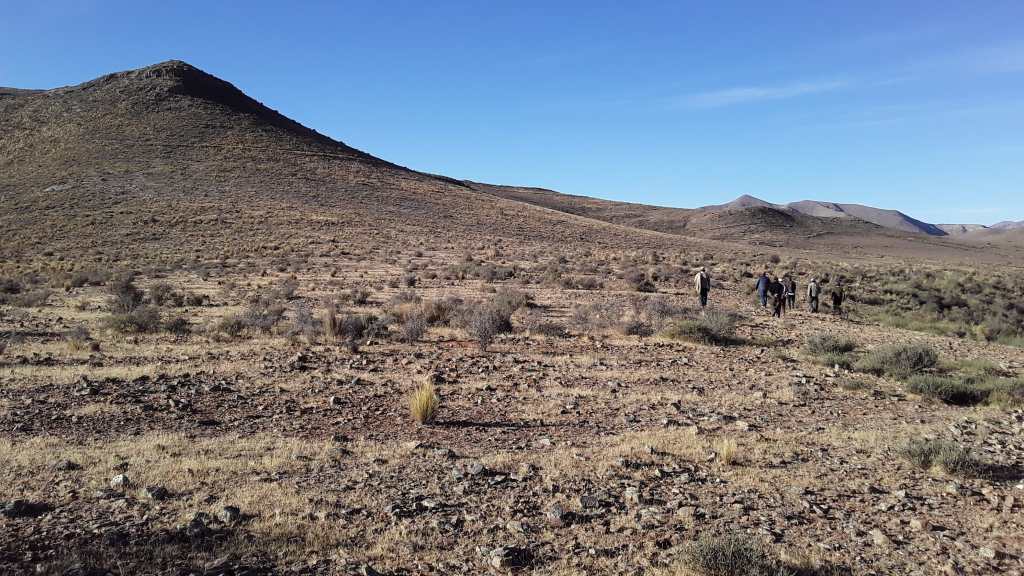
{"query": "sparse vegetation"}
(943, 455)
(715, 327)
(737, 554)
(969, 391)
(423, 404)
(830, 350)
(898, 360)
(139, 320)
(728, 451)
(348, 329)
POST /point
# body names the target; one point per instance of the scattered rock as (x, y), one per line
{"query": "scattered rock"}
(229, 514)
(557, 516)
(155, 492)
(66, 466)
(510, 557)
(24, 509)
(120, 482)
(879, 538)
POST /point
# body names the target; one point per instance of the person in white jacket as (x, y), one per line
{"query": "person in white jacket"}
(702, 284)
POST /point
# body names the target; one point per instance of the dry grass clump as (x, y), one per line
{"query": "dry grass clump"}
(78, 339)
(969, 391)
(741, 555)
(898, 360)
(423, 404)
(715, 327)
(942, 455)
(140, 320)
(830, 350)
(485, 321)
(30, 299)
(348, 329)
(728, 451)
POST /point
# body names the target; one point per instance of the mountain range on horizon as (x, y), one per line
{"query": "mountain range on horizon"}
(115, 157)
(893, 219)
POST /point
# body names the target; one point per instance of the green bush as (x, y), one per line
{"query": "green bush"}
(898, 360)
(968, 391)
(713, 328)
(740, 555)
(947, 456)
(139, 320)
(827, 344)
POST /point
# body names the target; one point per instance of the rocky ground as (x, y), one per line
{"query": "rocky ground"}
(588, 452)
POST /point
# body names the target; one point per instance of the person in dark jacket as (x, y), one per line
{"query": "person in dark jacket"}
(778, 293)
(791, 294)
(763, 282)
(838, 295)
(813, 292)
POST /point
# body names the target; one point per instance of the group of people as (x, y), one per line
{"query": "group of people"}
(780, 291)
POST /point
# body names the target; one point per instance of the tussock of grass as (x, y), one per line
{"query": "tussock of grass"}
(728, 451)
(713, 328)
(898, 360)
(826, 344)
(423, 403)
(943, 455)
(968, 391)
(737, 554)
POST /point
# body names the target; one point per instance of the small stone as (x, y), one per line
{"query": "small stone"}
(918, 524)
(632, 495)
(515, 526)
(229, 514)
(66, 466)
(120, 482)
(156, 492)
(475, 469)
(509, 557)
(24, 509)
(879, 538)
(368, 570)
(336, 401)
(988, 553)
(557, 516)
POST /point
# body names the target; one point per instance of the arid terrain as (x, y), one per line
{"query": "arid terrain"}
(231, 345)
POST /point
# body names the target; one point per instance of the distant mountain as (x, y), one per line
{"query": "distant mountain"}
(1008, 225)
(962, 229)
(891, 219)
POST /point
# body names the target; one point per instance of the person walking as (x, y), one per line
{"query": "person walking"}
(763, 282)
(787, 289)
(791, 296)
(813, 292)
(702, 284)
(838, 295)
(778, 294)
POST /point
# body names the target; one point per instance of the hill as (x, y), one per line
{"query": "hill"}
(170, 163)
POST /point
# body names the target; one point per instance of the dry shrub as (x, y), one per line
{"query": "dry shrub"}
(728, 451)
(741, 555)
(714, 327)
(348, 329)
(423, 404)
(898, 360)
(142, 319)
(943, 455)
(78, 338)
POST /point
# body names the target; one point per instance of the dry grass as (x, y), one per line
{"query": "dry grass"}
(423, 403)
(728, 451)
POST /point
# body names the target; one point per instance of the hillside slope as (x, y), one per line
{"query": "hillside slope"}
(170, 163)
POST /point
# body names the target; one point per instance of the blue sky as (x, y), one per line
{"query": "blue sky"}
(917, 106)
